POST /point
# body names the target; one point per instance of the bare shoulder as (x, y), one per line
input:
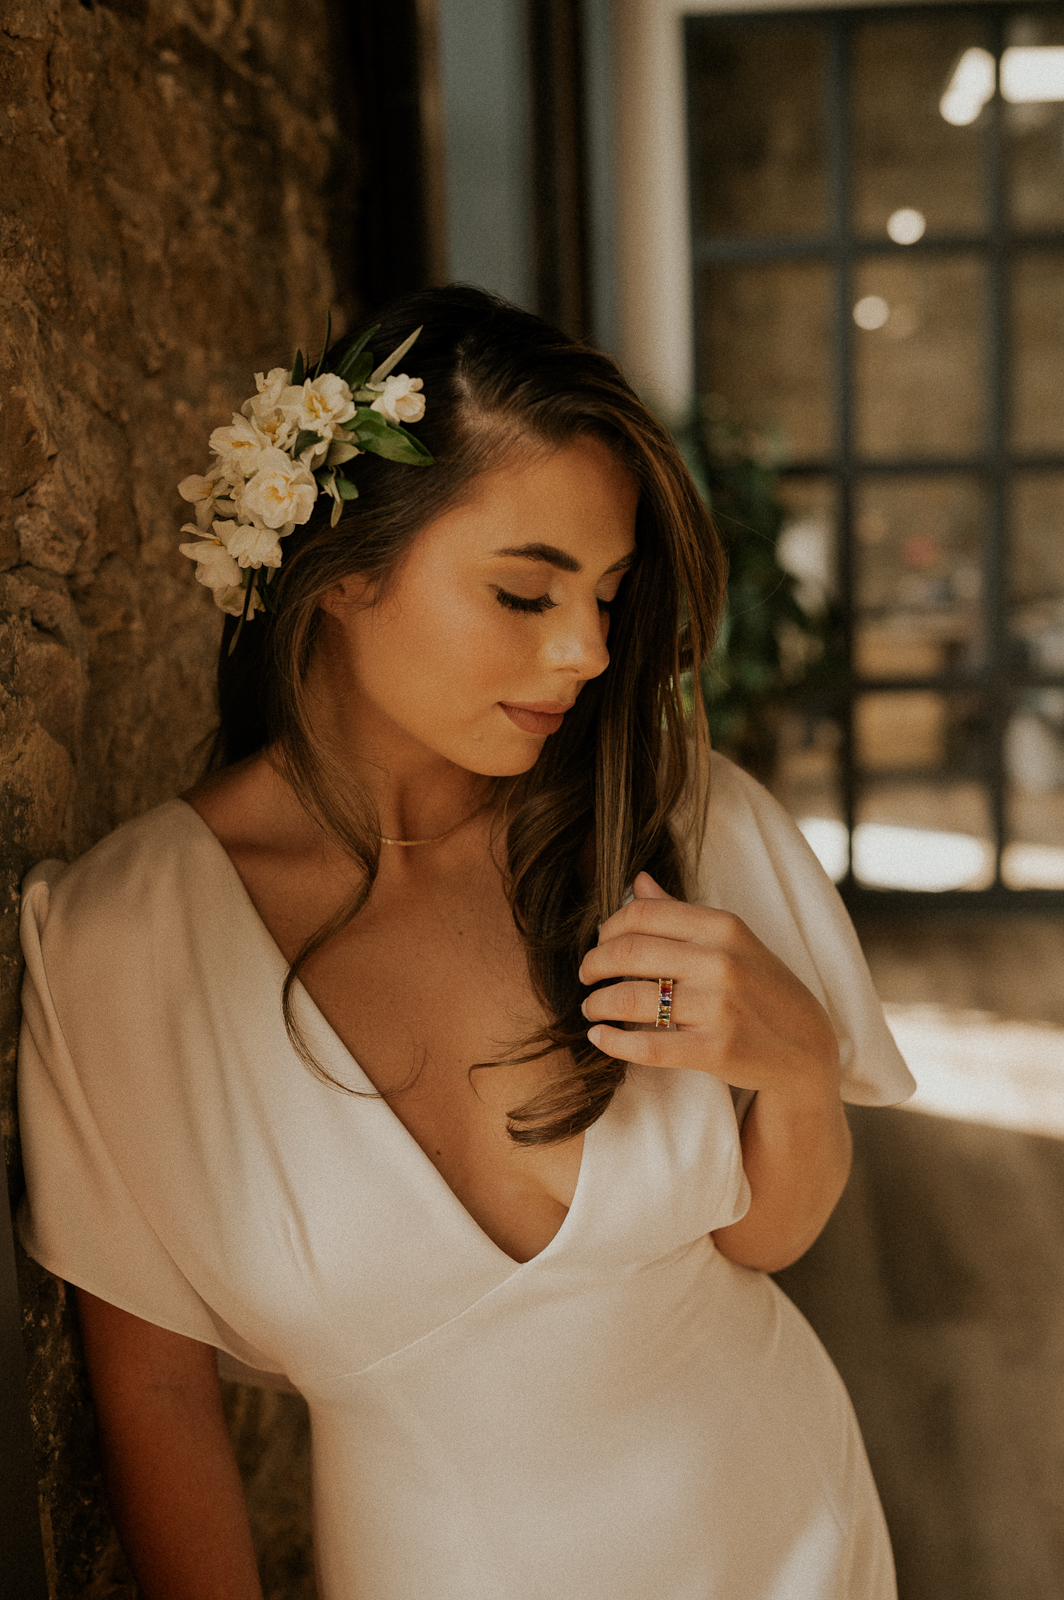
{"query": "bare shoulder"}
(249, 807)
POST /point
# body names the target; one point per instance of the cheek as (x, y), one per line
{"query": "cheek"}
(444, 654)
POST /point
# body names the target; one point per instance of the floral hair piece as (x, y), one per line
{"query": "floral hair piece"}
(289, 443)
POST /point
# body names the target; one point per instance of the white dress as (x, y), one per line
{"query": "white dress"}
(627, 1416)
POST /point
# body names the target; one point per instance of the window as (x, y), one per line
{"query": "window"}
(877, 202)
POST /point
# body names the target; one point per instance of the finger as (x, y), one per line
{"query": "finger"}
(624, 1002)
(673, 919)
(647, 888)
(655, 1048)
(636, 955)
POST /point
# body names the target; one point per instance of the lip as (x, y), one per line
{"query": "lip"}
(541, 717)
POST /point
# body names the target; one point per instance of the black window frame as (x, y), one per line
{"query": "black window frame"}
(1003, 675)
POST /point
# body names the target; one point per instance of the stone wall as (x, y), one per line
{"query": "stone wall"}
(169, 170)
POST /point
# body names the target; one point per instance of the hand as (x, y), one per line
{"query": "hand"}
(739, 1013)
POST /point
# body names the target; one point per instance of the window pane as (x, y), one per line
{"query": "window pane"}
(756, 103)
(807, 547)
(918, 576)
(1034, 762)
(766, 347)
(1038, 335)
(1036, 561)
(923, 816)
(1034, 137)
(918, 356)
(806, 781)
(906, 155)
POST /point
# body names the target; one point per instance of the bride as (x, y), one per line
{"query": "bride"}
(467, 1045)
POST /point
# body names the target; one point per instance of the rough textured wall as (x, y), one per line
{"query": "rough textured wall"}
(165, 169)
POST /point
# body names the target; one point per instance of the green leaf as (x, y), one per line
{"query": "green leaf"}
(394, 445)
(304, 439)
(394, 359)
(356, 376)
(350, 360)
(328, 334)
(338, 506)
(345, 488)
(298, 368)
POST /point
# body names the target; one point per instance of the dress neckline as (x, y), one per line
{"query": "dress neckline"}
(559, 1240)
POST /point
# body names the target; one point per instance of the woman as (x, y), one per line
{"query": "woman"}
(357, 1063)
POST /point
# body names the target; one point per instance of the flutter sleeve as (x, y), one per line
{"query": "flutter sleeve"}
(79, 1218)
(754, 862)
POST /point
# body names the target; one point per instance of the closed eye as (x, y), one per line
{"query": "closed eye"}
(541, 603)
(516, 602)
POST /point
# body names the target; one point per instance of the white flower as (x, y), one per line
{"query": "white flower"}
(400, 399)
(320, 405)
(282, 490)
(270, 389)
(215, 567)
(240, 446)
(250, 544)
(263, 409)
(203, 493)
(233, 600)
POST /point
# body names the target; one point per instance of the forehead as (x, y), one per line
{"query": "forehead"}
(579, 498)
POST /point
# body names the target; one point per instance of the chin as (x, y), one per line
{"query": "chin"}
(502, 762)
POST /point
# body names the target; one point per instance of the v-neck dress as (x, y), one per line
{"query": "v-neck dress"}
(628, 1415)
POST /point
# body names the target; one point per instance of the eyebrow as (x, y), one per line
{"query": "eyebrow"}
(552, 556)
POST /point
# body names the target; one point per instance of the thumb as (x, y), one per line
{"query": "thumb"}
(645, 888)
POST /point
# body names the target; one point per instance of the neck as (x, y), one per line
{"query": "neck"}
(418, 794)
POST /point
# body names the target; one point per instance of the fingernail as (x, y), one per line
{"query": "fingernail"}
(583, 1007)
(594, 1034)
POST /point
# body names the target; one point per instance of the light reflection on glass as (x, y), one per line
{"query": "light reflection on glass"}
(970, 86)
(1032, 73)
(871, 312)
(890, 856)
(906, 225)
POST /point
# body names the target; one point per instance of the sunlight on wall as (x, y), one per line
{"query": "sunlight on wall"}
(980, 1068)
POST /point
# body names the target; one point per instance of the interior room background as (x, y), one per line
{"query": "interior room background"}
(826, 244)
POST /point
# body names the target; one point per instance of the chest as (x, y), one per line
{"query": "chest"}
(429, 980)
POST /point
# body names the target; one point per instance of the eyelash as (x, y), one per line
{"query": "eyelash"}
(543, 602)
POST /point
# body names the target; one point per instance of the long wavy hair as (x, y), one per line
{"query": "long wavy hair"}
(631, 758)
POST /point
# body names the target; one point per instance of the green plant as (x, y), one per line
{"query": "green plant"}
(769, 644)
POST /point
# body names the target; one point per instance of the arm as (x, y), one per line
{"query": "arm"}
(744, 1017)
(171, 1478)
(796, 1155)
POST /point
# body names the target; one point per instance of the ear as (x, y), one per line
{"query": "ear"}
(350, 594)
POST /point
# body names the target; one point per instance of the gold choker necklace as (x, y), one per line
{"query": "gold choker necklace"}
(437, 837)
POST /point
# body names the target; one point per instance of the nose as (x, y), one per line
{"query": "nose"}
(577, 644)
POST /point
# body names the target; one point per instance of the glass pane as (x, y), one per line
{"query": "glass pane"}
(766, 347)
(806, 781)
(923, 817)
(1034, 763)
(918, 577)
(918, 356)
(907, 157)
(1036, 561)
(756, 102)
(1034, 134)
(1038, 335)
(807, 547)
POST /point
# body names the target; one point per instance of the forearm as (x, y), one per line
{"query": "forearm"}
(171, 1477)
(796, 1154)
(177, 1499)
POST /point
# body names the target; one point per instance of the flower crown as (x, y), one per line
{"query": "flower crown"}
(289, 443)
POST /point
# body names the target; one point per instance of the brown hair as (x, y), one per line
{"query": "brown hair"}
(630, 750)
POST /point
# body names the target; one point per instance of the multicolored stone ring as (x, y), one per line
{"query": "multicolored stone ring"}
(664, 1002)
